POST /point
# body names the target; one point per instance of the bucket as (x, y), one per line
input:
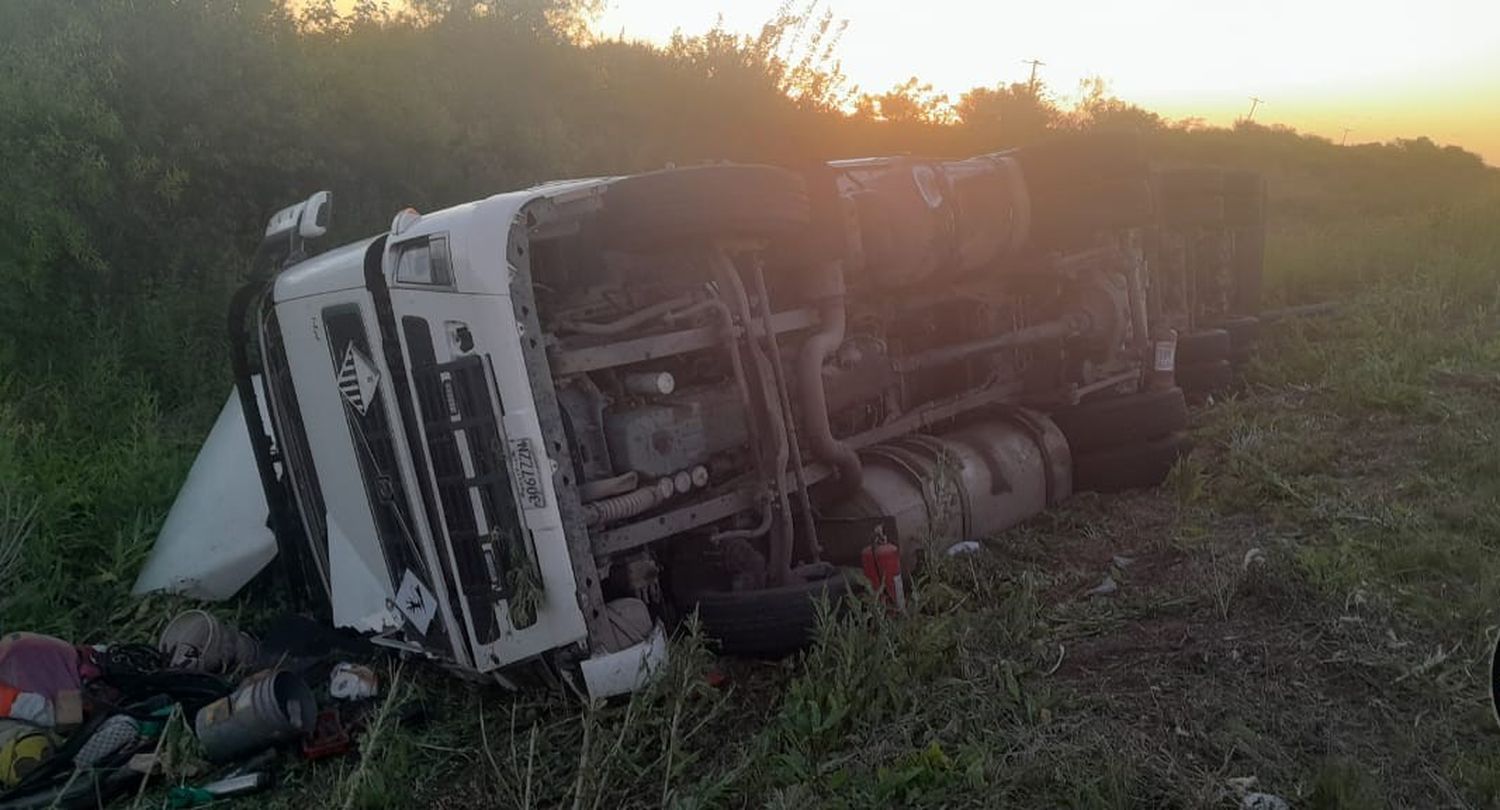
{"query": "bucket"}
(269, 708)
(196, 640)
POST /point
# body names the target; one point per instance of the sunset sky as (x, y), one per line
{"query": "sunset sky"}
(1382, 68)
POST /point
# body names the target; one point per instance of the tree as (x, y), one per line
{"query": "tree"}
(1008, 115)
(1098, 108)
(911, 102)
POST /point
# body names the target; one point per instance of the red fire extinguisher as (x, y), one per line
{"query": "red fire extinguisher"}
(882, 564)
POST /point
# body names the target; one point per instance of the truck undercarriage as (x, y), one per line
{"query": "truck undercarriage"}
(547, 424)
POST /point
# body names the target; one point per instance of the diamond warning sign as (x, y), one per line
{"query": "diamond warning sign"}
(358, 379)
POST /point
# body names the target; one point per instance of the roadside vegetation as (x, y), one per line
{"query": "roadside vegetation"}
(1306, 609)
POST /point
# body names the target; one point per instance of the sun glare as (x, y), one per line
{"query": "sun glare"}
(1379, 69)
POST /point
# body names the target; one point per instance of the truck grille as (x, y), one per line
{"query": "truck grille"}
(479, 507)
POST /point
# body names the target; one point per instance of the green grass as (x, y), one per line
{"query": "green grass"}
(1343, 667)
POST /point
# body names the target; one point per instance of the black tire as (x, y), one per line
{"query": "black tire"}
(1083, 183)
(1190, 196)
(1205, 378)
(769, 623)
(1203, 346)
(1133, 466)
(1243, 331)
(703, 202)
(1118, 421)
(1122, 203)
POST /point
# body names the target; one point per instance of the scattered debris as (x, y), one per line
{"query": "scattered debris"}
(1263, 801)
(242, 785)
(195, 640)
(1108, 586)
(963, 549)
(1254, 556)
(1241, 785)
(270, 707)
(1121, 561)
(353, 682)
(329, 737)
(80, 726)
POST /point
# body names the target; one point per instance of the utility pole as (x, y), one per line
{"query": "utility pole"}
(1345, 140)
(1254, 102)
(1035, 63)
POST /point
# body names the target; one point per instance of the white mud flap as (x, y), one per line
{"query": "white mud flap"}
(618, 673)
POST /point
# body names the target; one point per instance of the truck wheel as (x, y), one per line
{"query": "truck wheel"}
(1190, 196)
(1205, 378)
(1203, 346)
(1083, 183)
(770, 622)
(1243, 334)
(1133, 466)
(703, 202)
(1118, 421)
(1243, 331)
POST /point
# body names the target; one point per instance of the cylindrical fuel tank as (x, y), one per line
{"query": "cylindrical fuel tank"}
(968, 483)
(930, 219)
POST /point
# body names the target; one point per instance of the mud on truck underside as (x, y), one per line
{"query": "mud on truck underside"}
(742, 377)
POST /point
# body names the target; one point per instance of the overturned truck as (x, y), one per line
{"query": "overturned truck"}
(533, 430)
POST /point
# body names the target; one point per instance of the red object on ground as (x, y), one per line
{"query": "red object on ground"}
(882, 564)
(329, 737)
(716, 679)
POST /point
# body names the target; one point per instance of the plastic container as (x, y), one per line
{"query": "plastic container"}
(882, 564)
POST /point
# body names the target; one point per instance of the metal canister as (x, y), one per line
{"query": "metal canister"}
(269, 708)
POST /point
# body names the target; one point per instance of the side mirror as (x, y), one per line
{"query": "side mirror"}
(313, 221)
(288, 227)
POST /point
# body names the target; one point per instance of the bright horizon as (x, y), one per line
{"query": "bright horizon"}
(1384, 69)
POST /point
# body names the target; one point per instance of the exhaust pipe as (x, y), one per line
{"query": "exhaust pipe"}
(815, 352)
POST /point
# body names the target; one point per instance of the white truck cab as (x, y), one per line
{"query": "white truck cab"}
(405, 358)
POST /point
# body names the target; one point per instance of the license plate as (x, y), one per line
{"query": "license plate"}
(528, 475)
